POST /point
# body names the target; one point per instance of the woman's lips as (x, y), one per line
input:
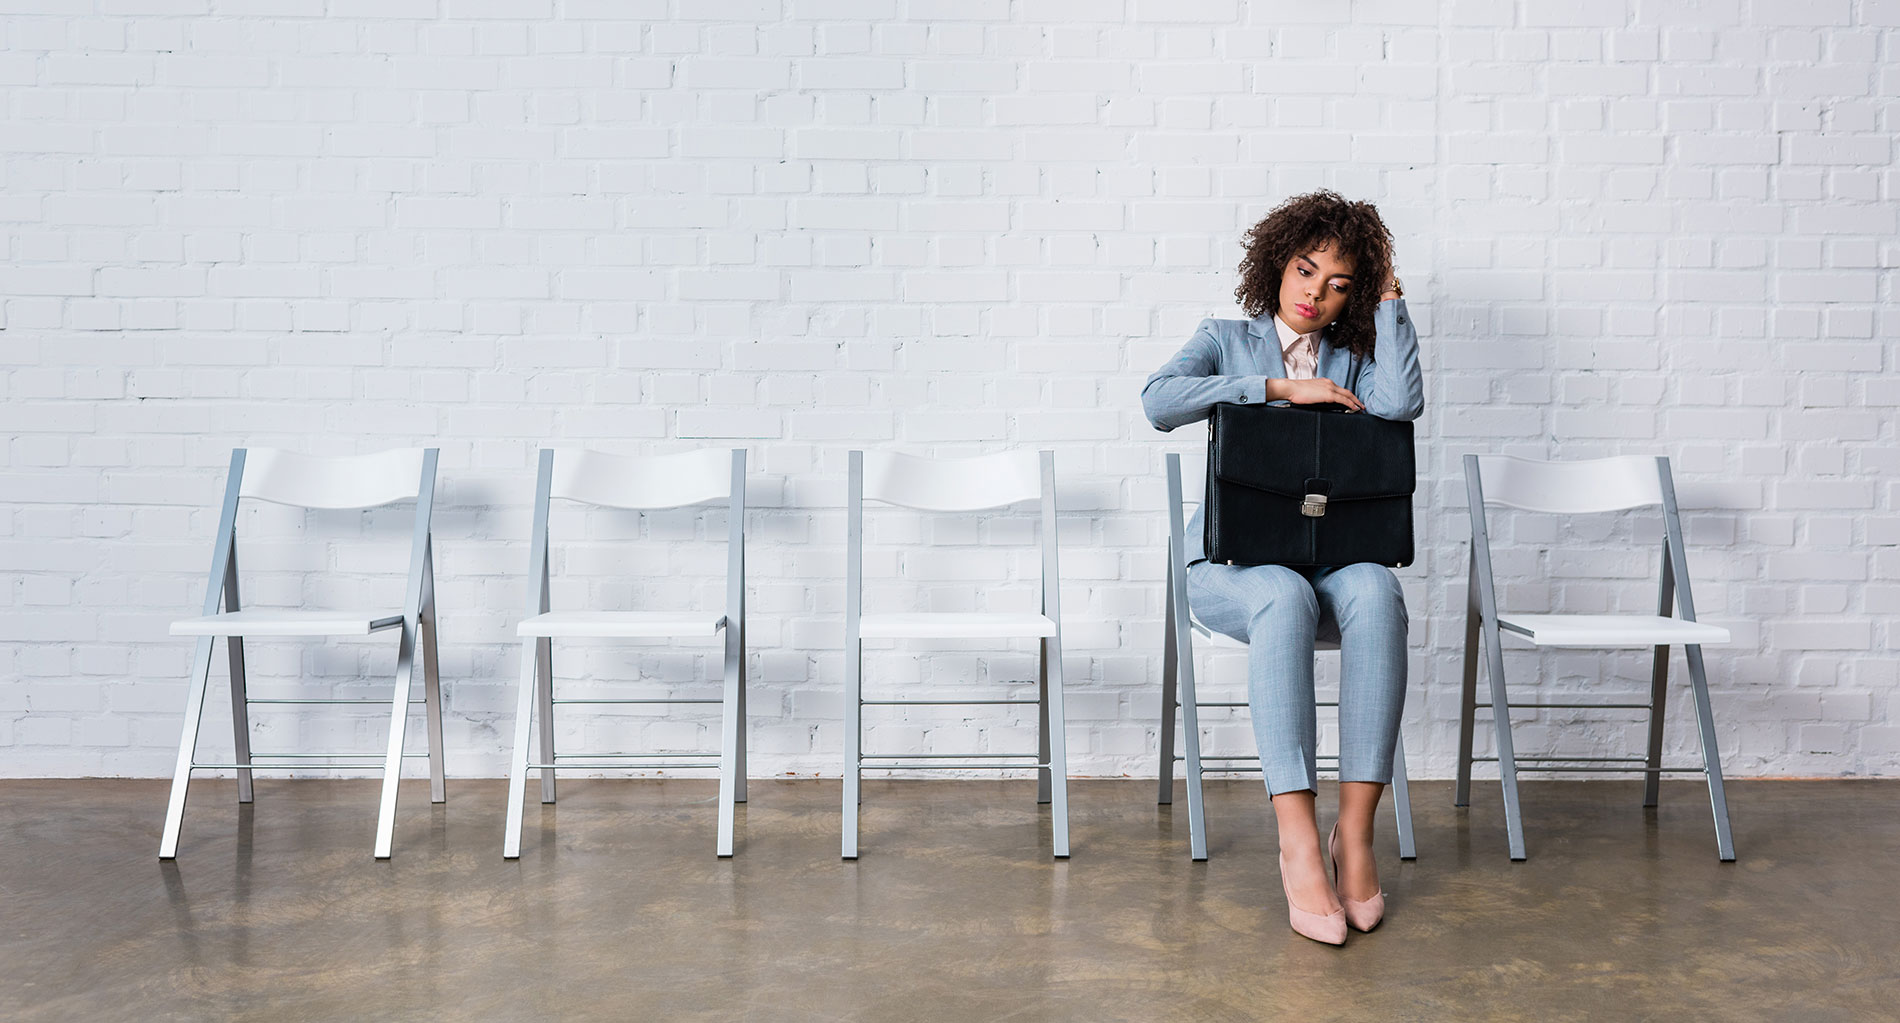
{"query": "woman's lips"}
(1306, 311)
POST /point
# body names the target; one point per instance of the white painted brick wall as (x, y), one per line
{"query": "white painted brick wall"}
(1626, 226)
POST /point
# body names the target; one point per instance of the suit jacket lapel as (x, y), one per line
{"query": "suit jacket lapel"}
(1334, 363)
(1270, 359)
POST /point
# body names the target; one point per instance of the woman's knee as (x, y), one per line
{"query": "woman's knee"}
(1365, 589)
(1277, 593)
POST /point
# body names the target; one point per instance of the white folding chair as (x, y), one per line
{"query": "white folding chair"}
(1577, 488)
(363, 481)
(1178, 686)
(956, 485)
(652, 483)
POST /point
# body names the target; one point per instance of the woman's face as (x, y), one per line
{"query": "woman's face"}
(1313, 289)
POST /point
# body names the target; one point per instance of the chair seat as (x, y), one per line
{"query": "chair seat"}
(622, 624)
(1221, 639)
(955, 625)
(288, 622)
(1612, 630)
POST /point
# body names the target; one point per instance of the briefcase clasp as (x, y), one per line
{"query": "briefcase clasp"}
(1314, 506)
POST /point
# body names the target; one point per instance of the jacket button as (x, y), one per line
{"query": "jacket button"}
(1401, 319)
(1243, 399)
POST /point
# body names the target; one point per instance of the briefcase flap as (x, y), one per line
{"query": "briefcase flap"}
(1295, 450)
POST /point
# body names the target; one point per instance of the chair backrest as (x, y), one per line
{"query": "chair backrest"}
(350, 481)
(1591, 485)
(1193, 480)
(638, 483)
(952, 484)
(1581, 487)
(652, 481)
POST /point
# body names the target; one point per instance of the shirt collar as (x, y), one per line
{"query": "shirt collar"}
(1290, 337)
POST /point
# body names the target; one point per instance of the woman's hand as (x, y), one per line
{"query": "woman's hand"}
(1317, 391)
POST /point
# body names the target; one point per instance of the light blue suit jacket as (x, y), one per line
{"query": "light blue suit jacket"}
(1232, 360)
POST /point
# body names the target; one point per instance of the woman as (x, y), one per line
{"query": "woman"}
(1329, 326)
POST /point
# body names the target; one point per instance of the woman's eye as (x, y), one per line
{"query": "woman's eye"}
(1341, 288)
(1304, 272)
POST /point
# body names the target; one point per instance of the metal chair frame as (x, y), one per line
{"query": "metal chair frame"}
(1178, 694)
(536, 694)
(1485, 626)
(418, 628)
(1051, 761)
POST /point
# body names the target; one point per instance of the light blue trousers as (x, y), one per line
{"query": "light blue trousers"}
(1279, 612)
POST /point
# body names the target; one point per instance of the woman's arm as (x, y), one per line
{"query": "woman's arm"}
(1184, 390)
(1391, 383)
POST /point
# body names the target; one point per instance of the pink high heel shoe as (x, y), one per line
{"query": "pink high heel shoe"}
(1362, 914)
(1328, 928)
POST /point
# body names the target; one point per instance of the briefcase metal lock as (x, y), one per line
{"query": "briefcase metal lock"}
(1315, 504)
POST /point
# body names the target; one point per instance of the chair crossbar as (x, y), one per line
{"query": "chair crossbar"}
(633, 756)
(935, 756)
(1604, 760)
(1025, 766)
(1325, 758)
(941, 702)
(633, 700)
(368, 760)
(1574, 706)
(332, 703)
(378, 757)
(618, 765)
(1589, 769)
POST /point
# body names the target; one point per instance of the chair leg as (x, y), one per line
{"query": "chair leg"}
(240, 716)
(732, 727)
(1507, 756)
(187, 748)
(1402, 802)
(1468, 708)
(544, 664)
(1191, 743)
(738, 789)
(853, 740)
(1042, 721)
(432, 712)
(1165, 767)
(1711, 755)
(518, 758)
(240, 694)
(398, 723)
(1057, 742)
(1658, 700)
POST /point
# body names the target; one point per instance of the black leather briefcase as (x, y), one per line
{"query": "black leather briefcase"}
(1308, 486)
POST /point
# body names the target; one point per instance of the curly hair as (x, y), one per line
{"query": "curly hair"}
(1307, 222)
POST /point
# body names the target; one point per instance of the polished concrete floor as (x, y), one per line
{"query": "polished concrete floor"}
(618, 910)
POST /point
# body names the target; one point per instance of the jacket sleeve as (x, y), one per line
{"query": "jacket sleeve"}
(1390, 383)
(1190, 385)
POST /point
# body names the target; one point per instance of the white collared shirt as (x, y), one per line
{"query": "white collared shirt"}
(1299, 351)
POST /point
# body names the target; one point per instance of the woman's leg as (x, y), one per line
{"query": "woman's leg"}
(1275, 610)
(1368, 606)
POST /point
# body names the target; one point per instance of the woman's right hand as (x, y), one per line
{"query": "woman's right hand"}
(1317, 391)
